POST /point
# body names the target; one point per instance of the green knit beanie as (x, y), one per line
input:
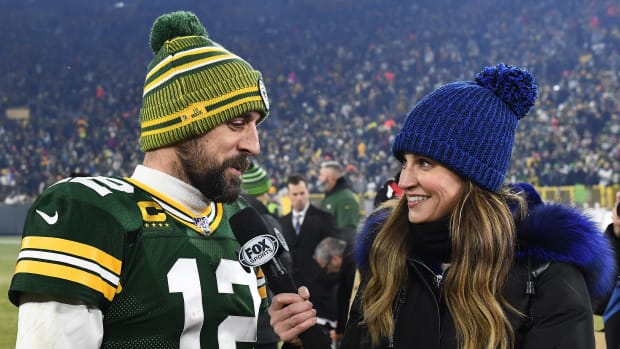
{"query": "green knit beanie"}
(193, 84)
(255, 180)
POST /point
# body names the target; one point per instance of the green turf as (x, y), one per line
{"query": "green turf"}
(8, 312)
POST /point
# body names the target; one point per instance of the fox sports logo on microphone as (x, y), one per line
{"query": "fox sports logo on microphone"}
(258, 251)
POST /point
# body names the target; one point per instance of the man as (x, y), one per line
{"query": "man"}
(304, 228)
(339, 198)
(389, 190)
(342, 203)
(329, 254)
(255, 186)
(150, 261)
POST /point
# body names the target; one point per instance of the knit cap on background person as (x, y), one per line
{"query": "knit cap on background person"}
(469, 127)
(193, 84)
(255, 180)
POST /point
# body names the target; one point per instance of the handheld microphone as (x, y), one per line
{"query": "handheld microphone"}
(261, 244)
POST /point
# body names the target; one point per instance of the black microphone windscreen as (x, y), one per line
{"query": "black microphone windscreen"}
(247, 224)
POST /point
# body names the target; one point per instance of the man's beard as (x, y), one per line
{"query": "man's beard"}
(209, 177)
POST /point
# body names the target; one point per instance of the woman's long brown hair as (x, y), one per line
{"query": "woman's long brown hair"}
(482, 232)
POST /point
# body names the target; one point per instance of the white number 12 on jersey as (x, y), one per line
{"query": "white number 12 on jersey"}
(183, 277)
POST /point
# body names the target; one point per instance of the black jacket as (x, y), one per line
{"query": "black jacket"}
(561, 251)
(317, 225)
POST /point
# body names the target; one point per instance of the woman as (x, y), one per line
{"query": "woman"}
(611, 311)
(459, 261)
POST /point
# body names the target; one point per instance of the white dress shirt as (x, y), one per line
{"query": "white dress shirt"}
(299, 215)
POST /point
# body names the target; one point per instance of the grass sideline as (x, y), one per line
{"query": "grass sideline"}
(9, 246)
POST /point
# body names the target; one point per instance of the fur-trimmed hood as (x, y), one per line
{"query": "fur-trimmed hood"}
(550, 232)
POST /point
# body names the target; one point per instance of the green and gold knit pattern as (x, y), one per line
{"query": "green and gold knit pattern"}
(193, 85)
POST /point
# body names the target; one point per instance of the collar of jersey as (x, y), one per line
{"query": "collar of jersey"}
(179, 199)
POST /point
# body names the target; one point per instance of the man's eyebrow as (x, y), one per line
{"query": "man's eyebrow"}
(247, 115)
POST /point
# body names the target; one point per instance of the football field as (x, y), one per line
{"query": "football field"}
(8, 312)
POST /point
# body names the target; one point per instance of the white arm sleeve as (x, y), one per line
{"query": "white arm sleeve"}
(57, 324)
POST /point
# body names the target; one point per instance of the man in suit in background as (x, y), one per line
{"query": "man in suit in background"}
(304, 228)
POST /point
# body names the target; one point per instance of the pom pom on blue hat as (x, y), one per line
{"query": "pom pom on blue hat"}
(469, 127)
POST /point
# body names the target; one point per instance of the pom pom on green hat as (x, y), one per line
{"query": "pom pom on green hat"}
(193, 84)
(173, 25)
(255, 180)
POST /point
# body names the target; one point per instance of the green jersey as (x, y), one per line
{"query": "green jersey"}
(162, 277)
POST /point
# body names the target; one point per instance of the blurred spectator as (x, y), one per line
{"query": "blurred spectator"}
(339, 199)
(388, 190)
(256, 185)
(329, 254)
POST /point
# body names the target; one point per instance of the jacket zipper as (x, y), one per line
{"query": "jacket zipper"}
(402, 294)
(437, 284)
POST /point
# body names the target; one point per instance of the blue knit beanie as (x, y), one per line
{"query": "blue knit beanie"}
(469, 127)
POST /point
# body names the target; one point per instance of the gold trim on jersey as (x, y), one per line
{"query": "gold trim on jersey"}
(213, 213)
(261, 283)
(67, 273)
(74, 248)
(72, 261)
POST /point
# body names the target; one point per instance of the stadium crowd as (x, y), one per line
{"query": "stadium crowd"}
(341, 74)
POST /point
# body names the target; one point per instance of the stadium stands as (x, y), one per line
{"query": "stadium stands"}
(341, 75)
